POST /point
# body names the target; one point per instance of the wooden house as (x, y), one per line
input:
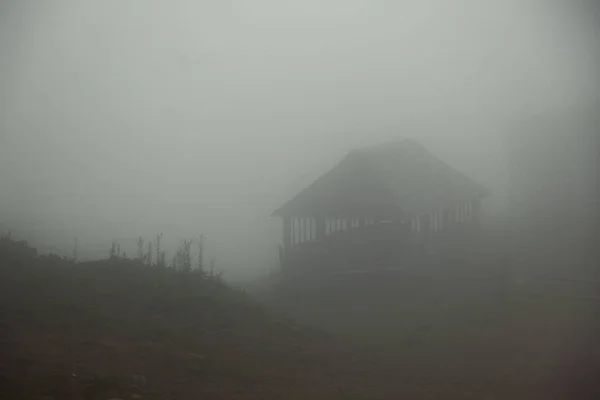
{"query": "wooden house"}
(378, 203)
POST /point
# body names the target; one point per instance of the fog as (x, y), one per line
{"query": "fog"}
(127, 118)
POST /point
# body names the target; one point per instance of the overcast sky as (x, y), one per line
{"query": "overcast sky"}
(128, 117)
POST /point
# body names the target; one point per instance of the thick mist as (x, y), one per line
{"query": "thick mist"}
(128, 118)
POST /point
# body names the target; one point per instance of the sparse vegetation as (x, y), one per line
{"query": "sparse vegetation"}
(98, 329)
(160, 256)
(140, 249)
(116, 328)
(182, 260)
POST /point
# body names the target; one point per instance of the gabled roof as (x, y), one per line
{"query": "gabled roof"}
(394, 180)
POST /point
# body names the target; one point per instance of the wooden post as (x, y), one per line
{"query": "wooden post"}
(287, 234)
(306, 229)
(425, 225)
(296, 231)
(468, 212)
(476, 211)
(321, 229)
(446, 218)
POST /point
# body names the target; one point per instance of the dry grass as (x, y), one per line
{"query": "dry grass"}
(118, 329)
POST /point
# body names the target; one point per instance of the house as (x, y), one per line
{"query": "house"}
(396, 193)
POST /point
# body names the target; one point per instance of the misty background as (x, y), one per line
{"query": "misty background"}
(128, 118)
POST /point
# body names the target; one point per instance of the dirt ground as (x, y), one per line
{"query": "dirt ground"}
(120, 331)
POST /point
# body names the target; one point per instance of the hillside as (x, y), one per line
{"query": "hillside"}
(115, 329)
(491, 322)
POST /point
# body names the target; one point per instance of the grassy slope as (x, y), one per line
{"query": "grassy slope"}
(501, 336)
(116, 329)
(92, 332)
